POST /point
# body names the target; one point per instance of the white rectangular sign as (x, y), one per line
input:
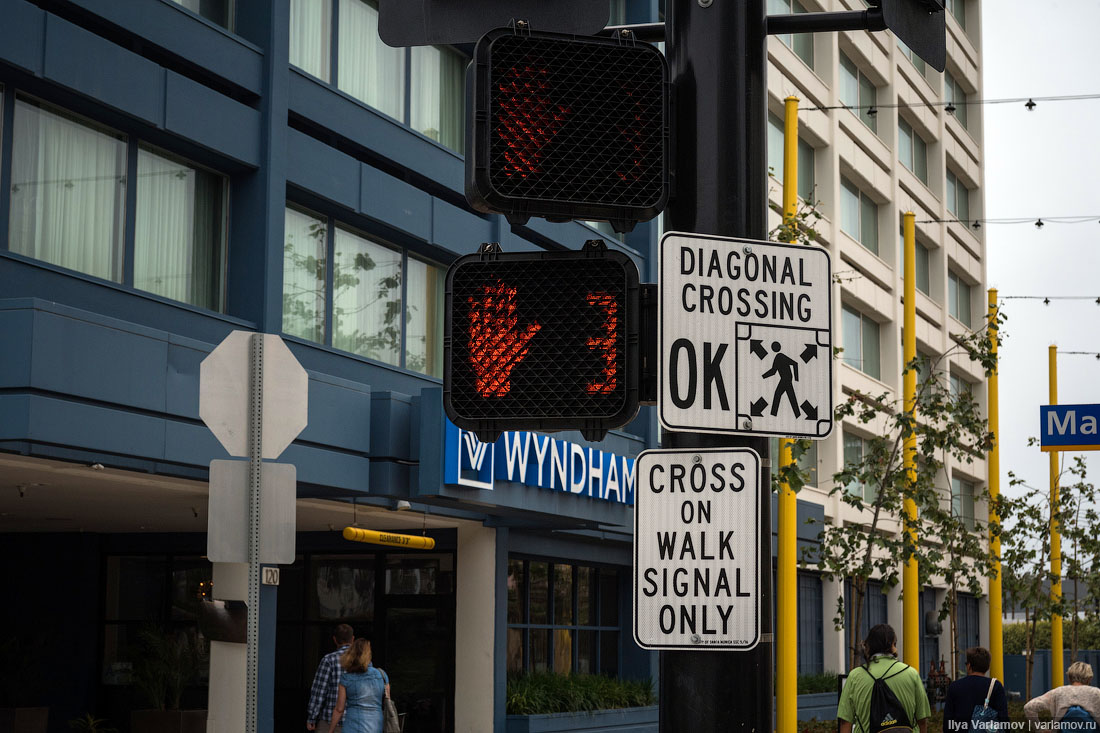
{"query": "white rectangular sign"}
(228, 524)
(697, 549)
(745, 337)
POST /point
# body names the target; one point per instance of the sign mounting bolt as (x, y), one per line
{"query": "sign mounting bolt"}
(695, 638)
(696, 458)
(747, 425)
(705, 3)
(747, 249)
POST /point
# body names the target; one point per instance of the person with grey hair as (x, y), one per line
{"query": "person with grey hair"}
(1079, 693)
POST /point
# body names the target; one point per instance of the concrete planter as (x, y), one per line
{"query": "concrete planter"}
(641, 720)
(24, 720)
(168, 721)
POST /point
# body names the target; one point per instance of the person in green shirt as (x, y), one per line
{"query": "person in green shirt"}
(880, 649)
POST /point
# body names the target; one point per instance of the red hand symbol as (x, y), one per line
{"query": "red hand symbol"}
(496, 346)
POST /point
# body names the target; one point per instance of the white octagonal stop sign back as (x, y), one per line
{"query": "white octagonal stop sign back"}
(224, 394)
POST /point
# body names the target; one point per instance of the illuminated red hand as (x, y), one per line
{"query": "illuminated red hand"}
(496, 345)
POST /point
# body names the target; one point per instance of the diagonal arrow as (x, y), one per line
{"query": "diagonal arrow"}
(757, 347)
(757, 408)
(810, 352)
(810, 410)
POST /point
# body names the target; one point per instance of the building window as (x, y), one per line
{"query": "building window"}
(957, 8)
(856, 449)
(912, 150)
(311, 37)
(874, 610)
(801, 43)
(69, 203)
(959, 386)
(805, 158)
(562, 618)
(811, 624)
(861, 342)
(859, 215)
(216, 11)
(179, 236)
(807, 462)
(954, 94)
(962, 501)
(918, 62)
(858, 92)
(150, 599)
(958, 198)
(922, 256)
(433, 100)
(355, 300)
(958, 298)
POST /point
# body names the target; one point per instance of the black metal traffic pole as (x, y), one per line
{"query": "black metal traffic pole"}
(718, 53)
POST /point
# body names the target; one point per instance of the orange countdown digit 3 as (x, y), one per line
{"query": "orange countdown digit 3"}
(606, 342)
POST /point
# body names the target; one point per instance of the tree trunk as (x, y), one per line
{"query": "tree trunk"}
(1029, 653)
(859, 591)
(953, 609)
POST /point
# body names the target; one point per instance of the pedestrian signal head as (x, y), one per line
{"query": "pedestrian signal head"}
(567, 128)
(542, 341)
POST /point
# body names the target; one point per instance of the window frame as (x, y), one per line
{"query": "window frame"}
(861, 107)
(956, 192)
(806, 158)
(867, 208)
(525, 625)
(408, 93)
(912, 150)
(132, 144)
(331, 224)
(954, 93)
(923, 257)
(802, 44)
(847, 310)
(962, 501)
(956, 287)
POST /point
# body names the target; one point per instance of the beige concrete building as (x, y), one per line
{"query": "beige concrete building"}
(909, 142)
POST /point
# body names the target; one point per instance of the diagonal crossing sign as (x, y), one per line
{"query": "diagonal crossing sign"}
(745, 337)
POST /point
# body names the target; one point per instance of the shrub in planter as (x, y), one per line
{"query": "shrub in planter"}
(23, 684)
(811, 684)
(545, 692)
(168, 661)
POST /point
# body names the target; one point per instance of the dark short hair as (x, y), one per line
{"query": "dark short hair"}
(343, 634)
(880, 640)
(978, 658)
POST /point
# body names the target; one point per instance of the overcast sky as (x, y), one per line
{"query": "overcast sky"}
(1043, 163)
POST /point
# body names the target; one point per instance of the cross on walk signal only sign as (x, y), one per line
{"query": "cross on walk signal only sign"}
(745, 337)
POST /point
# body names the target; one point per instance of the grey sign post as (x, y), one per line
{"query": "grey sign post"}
(253, 396)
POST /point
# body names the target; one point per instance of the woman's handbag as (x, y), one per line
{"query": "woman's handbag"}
(391, 721)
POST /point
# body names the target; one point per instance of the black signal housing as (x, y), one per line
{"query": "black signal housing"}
(567, 127)
(544, 341)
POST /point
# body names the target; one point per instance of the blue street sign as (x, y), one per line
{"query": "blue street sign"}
(1069, 427)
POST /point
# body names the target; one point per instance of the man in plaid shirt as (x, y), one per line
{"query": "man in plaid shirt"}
(322, 696)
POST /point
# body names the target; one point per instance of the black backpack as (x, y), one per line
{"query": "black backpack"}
(887, 712)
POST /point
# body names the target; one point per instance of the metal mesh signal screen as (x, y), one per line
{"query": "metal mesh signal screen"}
(541, 338)
(560, 132)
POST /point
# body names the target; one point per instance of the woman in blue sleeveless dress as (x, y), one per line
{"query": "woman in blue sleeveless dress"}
(362, 688)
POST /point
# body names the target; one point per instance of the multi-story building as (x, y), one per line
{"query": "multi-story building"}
(880, 134)
(174, 171)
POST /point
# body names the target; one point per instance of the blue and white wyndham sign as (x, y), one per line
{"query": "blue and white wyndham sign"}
(1069, 427)
(538, 461)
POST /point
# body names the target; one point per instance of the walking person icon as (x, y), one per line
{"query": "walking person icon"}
(787, 369)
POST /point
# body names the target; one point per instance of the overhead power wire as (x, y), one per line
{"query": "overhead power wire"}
(1029, 102)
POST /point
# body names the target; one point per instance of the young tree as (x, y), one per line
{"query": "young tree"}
(1025, 562)
(948, 426)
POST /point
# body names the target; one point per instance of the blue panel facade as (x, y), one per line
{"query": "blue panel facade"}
(189, 143)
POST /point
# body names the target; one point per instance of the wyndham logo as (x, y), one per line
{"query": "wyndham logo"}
(538, 461)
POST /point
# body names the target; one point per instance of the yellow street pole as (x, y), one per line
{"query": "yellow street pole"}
(1055, 539)
(786, 636)
(996, 633)
(910, 579)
